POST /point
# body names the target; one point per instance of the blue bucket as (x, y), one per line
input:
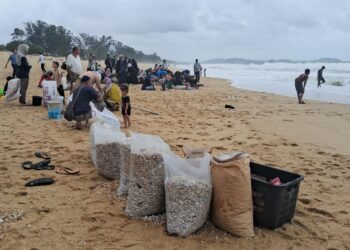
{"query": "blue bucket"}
(54, 109)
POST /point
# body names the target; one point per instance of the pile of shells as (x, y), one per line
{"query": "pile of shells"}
(146, 194)
(187, 205)
(125, 152)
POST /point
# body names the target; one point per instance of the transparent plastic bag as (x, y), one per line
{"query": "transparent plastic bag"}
(146, 194)
(196, 152)
(125, 152)
(188, 193)
(105, 149)
(13, 90)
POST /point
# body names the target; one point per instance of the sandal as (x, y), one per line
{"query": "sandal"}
(39, 182)
(43, 165)
(67, 171)
(42, 155)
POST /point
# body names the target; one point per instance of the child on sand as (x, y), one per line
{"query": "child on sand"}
(300, 84)
(126, 107)
(56, 74)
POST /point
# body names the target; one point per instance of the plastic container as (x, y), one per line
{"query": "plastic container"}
(37, 100)
(54, 110)
(274, 205)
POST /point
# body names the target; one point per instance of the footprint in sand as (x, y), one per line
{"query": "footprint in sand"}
(320, 212)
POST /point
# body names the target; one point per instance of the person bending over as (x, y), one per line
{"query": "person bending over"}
(300, 84)
(82, 97)
(126, 105)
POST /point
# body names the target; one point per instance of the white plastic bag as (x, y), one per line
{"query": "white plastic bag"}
(188, 193)
(105, 116)
(49, 91)
(146, 194)
(13, 90)
(105, 149)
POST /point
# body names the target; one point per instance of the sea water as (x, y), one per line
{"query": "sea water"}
(278, 78)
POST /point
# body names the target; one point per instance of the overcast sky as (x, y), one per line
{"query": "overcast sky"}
(186, 29)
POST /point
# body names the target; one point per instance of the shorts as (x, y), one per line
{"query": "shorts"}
(83, 117)
(300, 88)
(128, 112)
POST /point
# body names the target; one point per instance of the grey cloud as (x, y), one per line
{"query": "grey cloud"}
(183, 30)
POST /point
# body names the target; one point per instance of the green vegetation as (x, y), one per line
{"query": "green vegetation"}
(58, 41)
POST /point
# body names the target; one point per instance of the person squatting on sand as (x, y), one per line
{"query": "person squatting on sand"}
(82, 96)
(126, 105)
(23, 69)
(300, 84)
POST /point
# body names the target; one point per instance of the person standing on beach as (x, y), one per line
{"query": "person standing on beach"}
(12, 59)
(320, 79)
(197, 68)
(74, 67)
(300, 84)
(41, 60)
(57, 76)
(126, 106)
(23, 69)
(108, 63)
(205, 72)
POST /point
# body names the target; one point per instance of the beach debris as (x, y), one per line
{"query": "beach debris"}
(188, 193)
(227, 106)
(125, 152)
(155, 219)
(146, 194)
(12, 216)
(147, 111)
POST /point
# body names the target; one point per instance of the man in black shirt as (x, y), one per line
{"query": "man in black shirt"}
(320, 78)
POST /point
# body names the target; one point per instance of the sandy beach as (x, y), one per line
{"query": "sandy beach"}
(82, 212)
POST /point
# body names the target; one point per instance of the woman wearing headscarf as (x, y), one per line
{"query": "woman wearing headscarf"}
(23, 70)
(112, 94)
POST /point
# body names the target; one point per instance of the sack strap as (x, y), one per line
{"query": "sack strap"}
(74, 101)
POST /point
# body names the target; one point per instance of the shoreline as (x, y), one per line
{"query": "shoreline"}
(79, 212)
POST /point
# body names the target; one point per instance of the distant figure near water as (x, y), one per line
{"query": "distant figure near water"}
(197, 68)
(320, 79)
(300, 84)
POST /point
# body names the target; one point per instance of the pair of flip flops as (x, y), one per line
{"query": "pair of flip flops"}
(42, 155)
(42, 165)
(67, 171)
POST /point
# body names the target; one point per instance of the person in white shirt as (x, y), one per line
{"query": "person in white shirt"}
(42, 62)
(74, 67)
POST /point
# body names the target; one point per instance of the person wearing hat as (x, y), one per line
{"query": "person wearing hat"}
(82, 96)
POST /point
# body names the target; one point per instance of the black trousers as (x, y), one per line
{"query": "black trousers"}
(43, 67)
(197, 76)
(60, 90)
(14, 70)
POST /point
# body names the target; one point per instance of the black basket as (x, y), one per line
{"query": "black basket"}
(274, 205)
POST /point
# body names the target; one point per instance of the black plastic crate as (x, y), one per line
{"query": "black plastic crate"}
(274, 205)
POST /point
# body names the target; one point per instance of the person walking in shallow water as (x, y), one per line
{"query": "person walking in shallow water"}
(320, 79)
(300, 84)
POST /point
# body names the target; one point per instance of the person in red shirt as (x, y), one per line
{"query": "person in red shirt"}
(300, 84)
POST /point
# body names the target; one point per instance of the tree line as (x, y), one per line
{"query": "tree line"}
(58, 41)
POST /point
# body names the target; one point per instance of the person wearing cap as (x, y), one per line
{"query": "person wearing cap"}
(82, 96)
(95, 80)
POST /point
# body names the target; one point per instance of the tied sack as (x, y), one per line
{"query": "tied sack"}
(232, 204)
(49, 91)
(196, 152)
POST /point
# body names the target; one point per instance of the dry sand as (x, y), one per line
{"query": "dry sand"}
(82, 212)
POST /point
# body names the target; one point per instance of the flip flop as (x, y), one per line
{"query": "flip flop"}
(43, 155)
(39, 182)
(229, 106)
(43, 165)
(67, 171)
